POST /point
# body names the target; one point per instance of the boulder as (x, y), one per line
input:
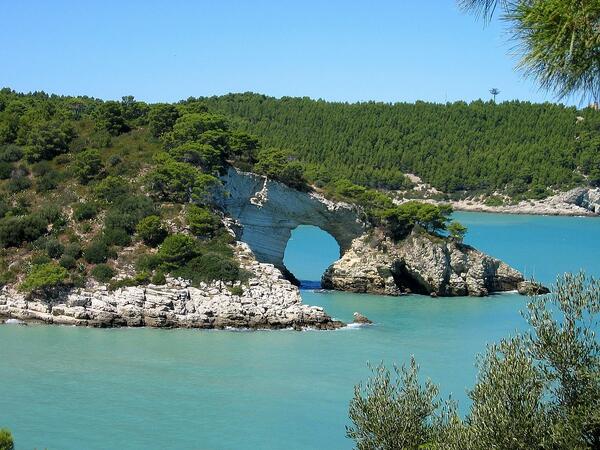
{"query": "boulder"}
(359, 318)
(531, 288)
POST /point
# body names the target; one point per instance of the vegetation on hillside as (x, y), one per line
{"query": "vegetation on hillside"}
(94, 189)
(536, 390)
(83, 180)
(520, 149)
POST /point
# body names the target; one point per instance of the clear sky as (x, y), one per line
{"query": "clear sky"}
(391, 51)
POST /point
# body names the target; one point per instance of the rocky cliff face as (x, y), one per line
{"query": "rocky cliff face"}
(267, 301)
(421, 264)
(267, 211)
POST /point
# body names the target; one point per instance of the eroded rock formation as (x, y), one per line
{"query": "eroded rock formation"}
(268, 211)
(421, 264)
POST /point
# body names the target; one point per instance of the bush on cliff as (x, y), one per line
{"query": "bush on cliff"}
(151, 230)
(177, 249)
(44, 276)
(102, 273)
(201, 221)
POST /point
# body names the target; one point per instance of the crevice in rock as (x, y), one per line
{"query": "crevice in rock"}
(406, 281)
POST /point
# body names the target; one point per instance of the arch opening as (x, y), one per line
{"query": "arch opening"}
(308, 253)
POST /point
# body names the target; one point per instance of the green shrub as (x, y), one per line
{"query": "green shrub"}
(237, 290)
(54, 248)
(147, 262)
(44, 277)
(210, 267)
(68, 262)
(48, 182)
(47, 139)
(203, 155)
(11, 153)
(158, 278)
(112, 188)
(6, 440)
(102, 273)
(18, 184)
(73, 249)
(116, 236)
(201, 221)
(16, 230)
(5, 170)
(110, 118)
(176, 249)
(6, 277)
(128, 211)
(151, 230)
(84, 211)
(114, 160)
(4, 208)
(457, 230)
(175, 181)
(87, 165)
(280, 165)
(96, 252)
(161, 118)
(39, 259)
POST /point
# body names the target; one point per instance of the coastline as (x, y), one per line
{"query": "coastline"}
(266, 301)
(577, 202)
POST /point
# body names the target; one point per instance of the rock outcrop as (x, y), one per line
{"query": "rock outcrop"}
(267, 300)
(581, 201)
(267, 211)
(420, 264)
(360, 319)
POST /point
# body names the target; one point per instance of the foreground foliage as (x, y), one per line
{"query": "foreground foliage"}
(540, 389)
(6, 440)
(558, 41)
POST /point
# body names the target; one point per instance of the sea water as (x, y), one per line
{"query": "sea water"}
(77, 388)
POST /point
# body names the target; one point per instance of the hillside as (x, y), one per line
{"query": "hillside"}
(519, 149)
(123, 193)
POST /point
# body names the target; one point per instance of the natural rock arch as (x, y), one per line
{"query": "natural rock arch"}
(267, 211)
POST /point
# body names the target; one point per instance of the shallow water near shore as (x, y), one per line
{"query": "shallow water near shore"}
(70, 388)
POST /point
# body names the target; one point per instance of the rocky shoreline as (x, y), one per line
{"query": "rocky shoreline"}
(266, 301)
(576, 202)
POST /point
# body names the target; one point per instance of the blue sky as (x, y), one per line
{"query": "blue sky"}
(344, 51)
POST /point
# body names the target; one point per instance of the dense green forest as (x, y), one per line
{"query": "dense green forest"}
(517, 148)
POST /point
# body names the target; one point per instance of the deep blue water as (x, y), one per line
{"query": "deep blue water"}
(72, 388)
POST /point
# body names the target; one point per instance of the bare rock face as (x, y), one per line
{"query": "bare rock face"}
(266, 301)
(360, 319)
(420, 264)
(585, 198)
(267, 211)
(531, 288)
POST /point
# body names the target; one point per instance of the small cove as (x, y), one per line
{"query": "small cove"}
(65, 387)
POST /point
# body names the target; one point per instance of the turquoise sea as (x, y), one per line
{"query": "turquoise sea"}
(75, 388)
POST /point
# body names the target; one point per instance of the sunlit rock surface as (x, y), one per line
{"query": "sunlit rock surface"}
(268, 211)
(421, 264)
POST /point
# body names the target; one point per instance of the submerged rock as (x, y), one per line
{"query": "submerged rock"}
(531, 288)
(359, 318)
(421, 264)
